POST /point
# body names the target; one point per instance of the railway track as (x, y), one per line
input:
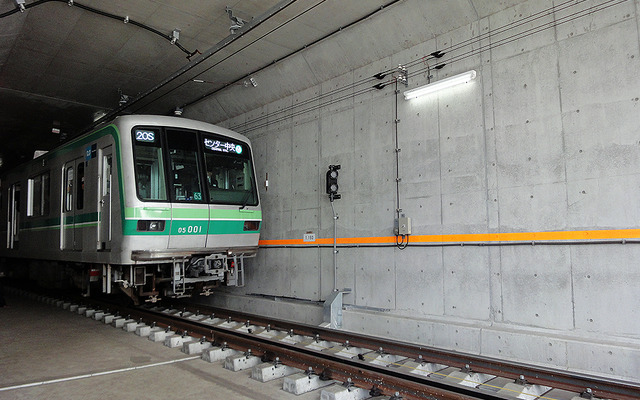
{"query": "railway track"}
(342, 365)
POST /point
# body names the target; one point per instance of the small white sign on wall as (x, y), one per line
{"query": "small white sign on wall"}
(309, 237)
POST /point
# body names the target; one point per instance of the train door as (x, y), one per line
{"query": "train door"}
(104, 198)
(189, 210)
(72, 205)
(13, 228)
(68, 212)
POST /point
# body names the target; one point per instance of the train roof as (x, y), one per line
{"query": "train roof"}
(177, 122)
(126, 122)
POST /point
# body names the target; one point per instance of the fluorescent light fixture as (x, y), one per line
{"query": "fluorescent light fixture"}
(439, 85)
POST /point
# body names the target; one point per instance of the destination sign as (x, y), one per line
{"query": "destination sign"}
(221, 146)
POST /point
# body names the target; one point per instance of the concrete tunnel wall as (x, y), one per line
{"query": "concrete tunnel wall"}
(547, 138)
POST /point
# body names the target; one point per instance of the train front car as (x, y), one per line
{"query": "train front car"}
(191, 212)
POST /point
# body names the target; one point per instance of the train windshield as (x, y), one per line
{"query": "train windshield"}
(149, 165)
(194, 167)
(229, 172)
(184, 168)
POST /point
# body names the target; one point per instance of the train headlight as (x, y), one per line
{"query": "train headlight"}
(251, 225)
(150, 226)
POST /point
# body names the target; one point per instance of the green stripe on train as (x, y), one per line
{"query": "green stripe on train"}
(226, 227)
(33, 224)
(88, 219)
(150, 212)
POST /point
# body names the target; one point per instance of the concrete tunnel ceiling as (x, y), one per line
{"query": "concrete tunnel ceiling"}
(64, 62)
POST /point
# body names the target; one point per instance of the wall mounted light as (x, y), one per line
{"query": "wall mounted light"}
(440, 85)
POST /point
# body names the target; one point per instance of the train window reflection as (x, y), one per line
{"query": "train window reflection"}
(149, 167)
(230, 178)
(68, 204)
(80, 187)
(184, 167)
(38, 196)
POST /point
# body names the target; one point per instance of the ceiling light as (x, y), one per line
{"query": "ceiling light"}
(440, 85)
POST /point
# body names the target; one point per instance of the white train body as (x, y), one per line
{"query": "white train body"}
(145, 199)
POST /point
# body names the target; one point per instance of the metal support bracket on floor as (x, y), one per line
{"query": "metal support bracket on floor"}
(332, 309)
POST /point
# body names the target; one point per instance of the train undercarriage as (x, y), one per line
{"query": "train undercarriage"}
(150, 282)
(182, 277)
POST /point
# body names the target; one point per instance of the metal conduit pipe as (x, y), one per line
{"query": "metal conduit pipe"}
(335, 249)
(248, 27)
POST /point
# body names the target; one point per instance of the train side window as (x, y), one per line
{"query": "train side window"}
(106, 175)
(80, 187)
(34, 196)
(38, 195)
(46, 193)
(184, 166)
(149, 165)
(68, 203)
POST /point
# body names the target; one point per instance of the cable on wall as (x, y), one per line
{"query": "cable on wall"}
(173, 38)
(328, 98)
(529, 32)
(239, 80)
(248, 27)
(228, 57)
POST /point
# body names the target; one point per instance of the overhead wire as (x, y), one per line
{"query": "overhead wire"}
(125, 19)
(257, 21)
(511, 25)
(252, 125)
(237, 81)
(231, 55)
(529, 32)
(498, 30)
(244, 127)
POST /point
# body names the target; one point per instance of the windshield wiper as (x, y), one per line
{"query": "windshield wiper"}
(245, 200)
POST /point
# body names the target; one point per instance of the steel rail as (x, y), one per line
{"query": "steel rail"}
(572, 381)
(363, 374)
(327, 366)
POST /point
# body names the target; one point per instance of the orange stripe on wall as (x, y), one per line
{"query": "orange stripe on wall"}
(471, 238)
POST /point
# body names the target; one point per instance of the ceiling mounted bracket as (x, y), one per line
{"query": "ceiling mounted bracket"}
(236, 22)
(403, 75)
(20, 4)
(124, 99)
(175, 36)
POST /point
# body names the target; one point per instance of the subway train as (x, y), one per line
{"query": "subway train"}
(155, 206)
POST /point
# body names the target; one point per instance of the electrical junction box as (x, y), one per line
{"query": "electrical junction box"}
(402, 226)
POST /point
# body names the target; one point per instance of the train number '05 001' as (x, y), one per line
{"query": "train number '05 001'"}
(191, 229)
